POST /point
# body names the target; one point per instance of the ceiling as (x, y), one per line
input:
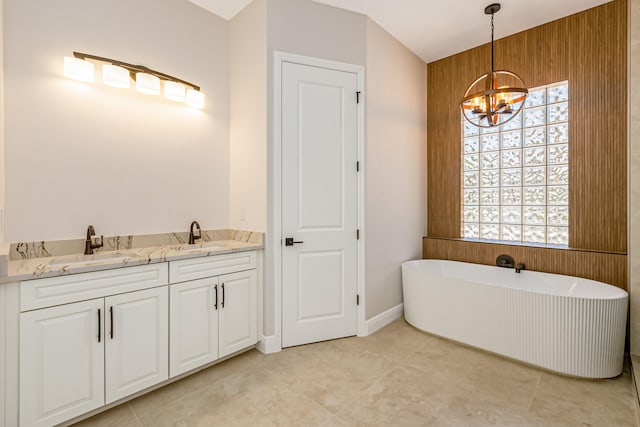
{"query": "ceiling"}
(434, 30)
(225, 8)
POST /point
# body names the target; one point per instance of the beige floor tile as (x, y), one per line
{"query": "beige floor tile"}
(497, 380)
(408, 396)
(398, 376)
(566, 401)
(283, 361)
(333, 378)
(196, 382)
(271, 405)
(197, 406)
(120, 416)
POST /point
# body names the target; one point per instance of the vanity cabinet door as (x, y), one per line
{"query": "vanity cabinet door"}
(193, 324)
(238, 311)
(61, 362)
(136, 341)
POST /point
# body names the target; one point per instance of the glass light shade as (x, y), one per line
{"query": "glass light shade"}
(195, 98)
(493, 99)
(147, 83)
(174, 91)
(113, 75)
(78, 69)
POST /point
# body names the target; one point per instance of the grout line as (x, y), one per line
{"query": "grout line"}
(535, 390)
(361, 394)
(309, 399)
(135, 415)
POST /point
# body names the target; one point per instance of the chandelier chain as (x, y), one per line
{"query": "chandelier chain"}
(492, 65)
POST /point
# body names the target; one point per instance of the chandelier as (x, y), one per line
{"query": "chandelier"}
(496, 97)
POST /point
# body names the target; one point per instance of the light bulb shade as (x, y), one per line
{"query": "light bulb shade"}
(493, 99)
(147, 83)
(174, 91)
(113, 75)
(78, 69)
(195, 98)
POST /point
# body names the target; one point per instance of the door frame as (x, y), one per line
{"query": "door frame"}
(276, 214)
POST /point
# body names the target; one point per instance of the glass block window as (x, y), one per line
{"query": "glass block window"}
(515, 177)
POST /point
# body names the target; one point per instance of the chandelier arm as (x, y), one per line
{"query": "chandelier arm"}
(497, 91)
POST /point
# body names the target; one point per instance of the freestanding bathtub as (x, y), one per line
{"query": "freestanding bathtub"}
(565, 324)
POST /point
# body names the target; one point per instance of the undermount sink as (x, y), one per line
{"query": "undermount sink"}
(212, 246)
(99, 257)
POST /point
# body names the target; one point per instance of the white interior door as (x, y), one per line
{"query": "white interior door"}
(319, 204)
(137, 341)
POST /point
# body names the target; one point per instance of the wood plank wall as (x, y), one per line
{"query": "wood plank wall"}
(601, 266)
(589, 49)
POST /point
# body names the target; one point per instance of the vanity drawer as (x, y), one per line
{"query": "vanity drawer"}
(40, 293)
(215, 265)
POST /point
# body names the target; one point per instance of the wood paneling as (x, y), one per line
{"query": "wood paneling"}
(601, 266)
(589, 49)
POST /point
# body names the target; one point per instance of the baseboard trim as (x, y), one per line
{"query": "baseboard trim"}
(383, 319)
(268, 345)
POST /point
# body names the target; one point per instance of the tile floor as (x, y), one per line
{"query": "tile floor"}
(399, 376)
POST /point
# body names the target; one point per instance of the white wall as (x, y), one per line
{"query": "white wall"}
(79, 154)
(248, 118)
(2, 166)
(395, 212)
(307, 28)
(3, 328)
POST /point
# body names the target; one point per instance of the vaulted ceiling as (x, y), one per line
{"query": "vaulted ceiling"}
(437, 29)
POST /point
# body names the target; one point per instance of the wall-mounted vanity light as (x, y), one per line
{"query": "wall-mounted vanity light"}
(119, 74)
(77, 69)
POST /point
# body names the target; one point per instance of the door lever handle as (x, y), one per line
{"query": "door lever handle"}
(288, 241)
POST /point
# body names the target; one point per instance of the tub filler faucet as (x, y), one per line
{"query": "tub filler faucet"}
(505, 261)
(520, 267)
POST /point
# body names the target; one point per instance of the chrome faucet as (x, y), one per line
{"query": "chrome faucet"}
(192, 236)
(520, 267)
(89, 246)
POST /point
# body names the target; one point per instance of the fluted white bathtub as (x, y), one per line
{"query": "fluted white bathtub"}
(565, 324)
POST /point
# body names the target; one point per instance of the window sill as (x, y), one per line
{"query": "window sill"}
(532, 245)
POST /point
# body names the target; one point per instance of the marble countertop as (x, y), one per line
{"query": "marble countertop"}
(36, 268)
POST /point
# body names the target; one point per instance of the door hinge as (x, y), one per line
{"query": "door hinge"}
(358, 234)
(358, 299)
(358, 97)
(357, 166)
